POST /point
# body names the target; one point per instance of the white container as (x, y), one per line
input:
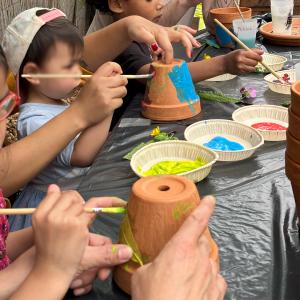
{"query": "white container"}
(282, 13)
(278, 87)
(246, 31)
(157, 152)
(204, 131)
(254, 114)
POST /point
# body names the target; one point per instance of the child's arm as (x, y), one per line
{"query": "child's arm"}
(115, 38)
(92, 139)
(13, 276)
(236, 62)
(89, 143)
(18, 242)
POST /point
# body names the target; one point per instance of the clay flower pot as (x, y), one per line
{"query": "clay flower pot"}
(226, 15)
(292, 170)
(156, 209)
(293, 147)
(294, 124)
(170, 94)
(295, 104)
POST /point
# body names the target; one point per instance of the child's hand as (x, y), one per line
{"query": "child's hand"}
(156, 36)
(101, 95)
(100, 255)
(242, 61)
(60, 228)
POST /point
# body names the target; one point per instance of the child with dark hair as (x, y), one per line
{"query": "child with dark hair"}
(44, 41)
(136, 59)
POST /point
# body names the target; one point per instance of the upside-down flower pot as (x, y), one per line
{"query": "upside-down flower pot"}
(157, 208)
(170, 95)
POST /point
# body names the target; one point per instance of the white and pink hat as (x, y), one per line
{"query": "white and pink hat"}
(21, 31)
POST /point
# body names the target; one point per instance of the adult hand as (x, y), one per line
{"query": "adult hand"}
(100, 255)
(101, 95)
(157, 37)
(60, 228)
(183, 270)
(242, 61)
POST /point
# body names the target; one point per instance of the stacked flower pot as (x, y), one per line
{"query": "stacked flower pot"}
(292, 158)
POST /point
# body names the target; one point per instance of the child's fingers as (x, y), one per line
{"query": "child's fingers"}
(104, 273)
(98, 240)
(165, 44)
(52, 196)
(116, 81)
(249, 62)
(105, 202)
(108, 69)
(186, 28)
(69, 199)
(118, 92)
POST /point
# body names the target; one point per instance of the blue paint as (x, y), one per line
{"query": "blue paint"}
(182, 80)
(222, 144)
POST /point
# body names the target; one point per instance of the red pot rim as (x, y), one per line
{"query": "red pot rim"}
(221, 10)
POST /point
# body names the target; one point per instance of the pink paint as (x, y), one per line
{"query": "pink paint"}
(268, 126)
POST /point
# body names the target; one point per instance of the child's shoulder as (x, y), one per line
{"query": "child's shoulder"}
(34, 115)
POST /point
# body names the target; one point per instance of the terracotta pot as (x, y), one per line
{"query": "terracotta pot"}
(292, 170)
(295, 104)
(293, 147)
(170, 94)
(226, 15)
(294, 124)
(157, 208)
(296, 191)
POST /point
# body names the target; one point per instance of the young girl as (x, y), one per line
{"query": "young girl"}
(54, 46)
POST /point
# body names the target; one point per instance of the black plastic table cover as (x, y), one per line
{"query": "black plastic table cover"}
(254, 222)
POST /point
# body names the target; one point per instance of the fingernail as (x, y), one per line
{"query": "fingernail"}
(198, 44)
(154, 47)
(77, 282)
(79, 292)
(124, 253)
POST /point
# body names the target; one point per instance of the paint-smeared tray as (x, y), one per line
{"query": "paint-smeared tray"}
(274, 61)
(278, 87)
(270, 120)
(282, 39)
(241, 135)
(154, 153)
(223, 77)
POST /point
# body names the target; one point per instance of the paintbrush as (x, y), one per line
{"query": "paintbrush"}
(247, 48)
(80, 76)
(238, 8)
(95, 210)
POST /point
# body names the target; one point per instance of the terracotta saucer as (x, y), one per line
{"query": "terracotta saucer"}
(282, 39)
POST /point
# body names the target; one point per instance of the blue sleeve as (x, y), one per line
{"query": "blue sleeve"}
(26, 126)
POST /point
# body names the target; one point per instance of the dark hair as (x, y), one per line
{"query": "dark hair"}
(57, 30)
(101, 5)
(3, 61)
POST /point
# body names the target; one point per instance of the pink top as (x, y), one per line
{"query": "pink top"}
(4, 230)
